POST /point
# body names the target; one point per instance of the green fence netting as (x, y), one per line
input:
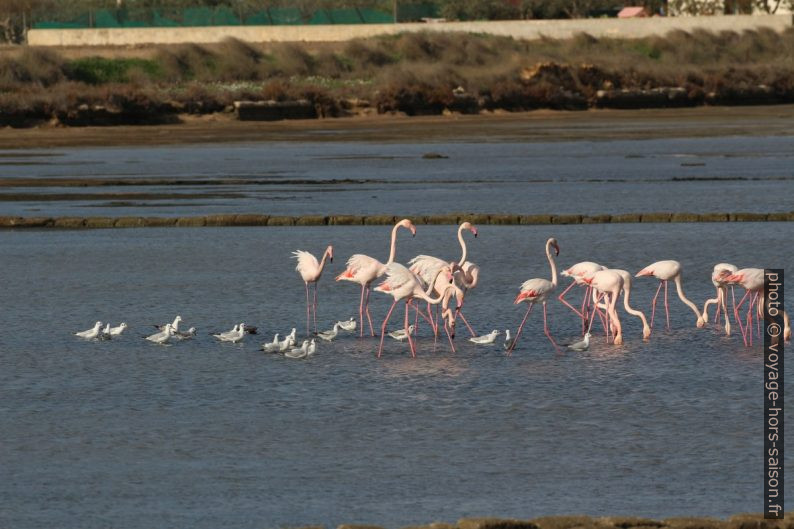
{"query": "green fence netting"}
(228, 16)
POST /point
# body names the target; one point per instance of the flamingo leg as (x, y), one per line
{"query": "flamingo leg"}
(738, 318)
(314, 308)
(546, 329)
(666, 310)
(383, 327)
(586, 306)
(520, 327)
(307, 308)
(467, 324)
(757, 318)
(361, 311)
(419, 312)
(366, 308)
(416, 319)
(653, 303)
(452, 345)
(719, 307)
(407, 332)
(561, 297)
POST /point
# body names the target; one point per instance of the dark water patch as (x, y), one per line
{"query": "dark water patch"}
(45, 197)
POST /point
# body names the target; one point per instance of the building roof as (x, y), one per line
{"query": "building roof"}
(633, 11)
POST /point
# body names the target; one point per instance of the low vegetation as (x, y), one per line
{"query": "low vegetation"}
(425, 73)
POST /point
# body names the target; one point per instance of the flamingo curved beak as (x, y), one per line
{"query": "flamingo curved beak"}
(474, 230)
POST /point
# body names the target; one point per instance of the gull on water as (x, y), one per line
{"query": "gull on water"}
(105, 334)
(299, 352)
(287, 343)
(581, 345)
(163, 336)
(349, 325)
(329, 335)
(234, 336)
(312, 348)
(508, 340)
(485, 339)
(174, 324)
(185, 335)
(116, 331)
(272, 346)
(400, 335)
(91, 333)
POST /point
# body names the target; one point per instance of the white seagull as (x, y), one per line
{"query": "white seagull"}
(581, 345)
(185, 335)
(232, 336)
(485, 339)
(105, 335)
(116, 331)
(312, 348)
(400, 335)
(174, 324)
(329, 335)
(91, 333)
(299, 352)
(163, 336)
(508, 340)
(349, 325)
(272, 346)
(287, 343)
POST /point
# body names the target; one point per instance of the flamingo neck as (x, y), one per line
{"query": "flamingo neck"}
(462, 246)
(679, 287)
(431, 285)
(322, 262)
(629, 309)
(393, 249)
(552, 264)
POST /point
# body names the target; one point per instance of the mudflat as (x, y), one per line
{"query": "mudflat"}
(539, 125)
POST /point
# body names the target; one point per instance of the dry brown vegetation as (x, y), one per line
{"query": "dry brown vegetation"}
(425, 73)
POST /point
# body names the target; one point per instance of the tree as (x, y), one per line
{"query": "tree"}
(15, 15)
(479, 9)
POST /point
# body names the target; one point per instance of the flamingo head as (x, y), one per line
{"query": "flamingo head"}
(468, 226)
(406, 223)
(553, 243)
(330, 252)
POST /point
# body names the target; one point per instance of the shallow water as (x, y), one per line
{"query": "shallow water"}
(201, 434)
(580, 177)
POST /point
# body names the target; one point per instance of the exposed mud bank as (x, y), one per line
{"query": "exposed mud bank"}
(380, 220)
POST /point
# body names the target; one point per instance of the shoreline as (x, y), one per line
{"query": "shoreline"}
(737, 521)
(530, 126)
(243, 220)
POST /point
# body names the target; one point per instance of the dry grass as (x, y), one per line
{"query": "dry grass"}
(414, 73)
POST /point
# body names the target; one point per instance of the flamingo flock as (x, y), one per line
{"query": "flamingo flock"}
(438, 282)
(433, 290)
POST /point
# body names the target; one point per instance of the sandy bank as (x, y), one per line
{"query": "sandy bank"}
(540, 125)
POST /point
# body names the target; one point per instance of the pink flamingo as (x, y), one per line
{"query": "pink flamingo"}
(363, 269)
(752, 280)
(646, 330)
(310, 271)
(580, 272)
(665, 271)
(608, 283)
(786, 327)
(402, 284)
(466, 273)
(538, 290)
(718, 275)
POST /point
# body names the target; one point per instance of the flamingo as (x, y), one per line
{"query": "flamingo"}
(402, 284)
(646, 330)
(665, 271)
(752, 280)
(579, 272)
(718, 275)
(538, 290)
(310, 271)
(608, 283)
(466, 273)
(363, 269)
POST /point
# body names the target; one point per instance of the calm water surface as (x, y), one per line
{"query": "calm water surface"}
(201, 434)
(580, 177)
